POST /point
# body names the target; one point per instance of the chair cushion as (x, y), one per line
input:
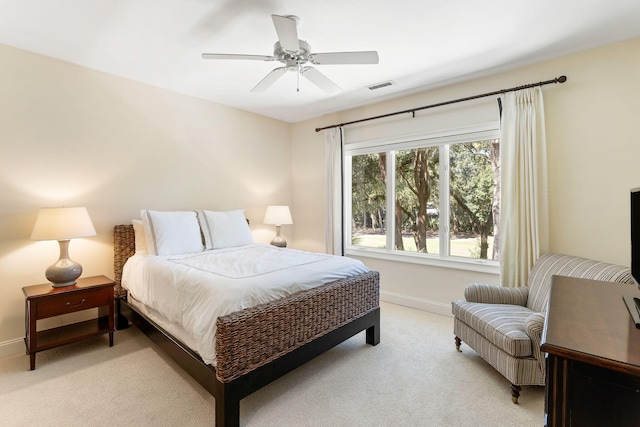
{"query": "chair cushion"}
(502, 324)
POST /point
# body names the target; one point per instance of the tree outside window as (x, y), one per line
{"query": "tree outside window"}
(466, 226)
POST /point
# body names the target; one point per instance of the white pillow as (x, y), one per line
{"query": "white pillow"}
(140, 239)
(224, 229)
(171, 233)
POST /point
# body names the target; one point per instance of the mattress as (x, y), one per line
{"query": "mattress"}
(191, 291)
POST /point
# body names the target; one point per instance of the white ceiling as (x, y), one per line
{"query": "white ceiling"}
(421, 43)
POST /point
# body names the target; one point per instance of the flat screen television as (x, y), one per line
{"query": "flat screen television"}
(633, 303)
(635, 235)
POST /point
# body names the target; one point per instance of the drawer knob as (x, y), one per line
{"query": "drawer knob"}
(75, 305)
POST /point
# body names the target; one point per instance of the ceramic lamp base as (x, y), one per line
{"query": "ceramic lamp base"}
(278, 240)
(65, 271)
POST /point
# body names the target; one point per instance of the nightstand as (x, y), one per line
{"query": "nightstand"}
(43, 301)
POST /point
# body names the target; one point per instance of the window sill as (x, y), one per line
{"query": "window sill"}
(482, 266)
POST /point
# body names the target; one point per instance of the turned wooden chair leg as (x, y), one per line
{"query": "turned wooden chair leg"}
(515, 393)
(458, 342)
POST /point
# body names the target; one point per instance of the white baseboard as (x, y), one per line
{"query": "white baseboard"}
(16, 346)
(418, 303)
(12, 347)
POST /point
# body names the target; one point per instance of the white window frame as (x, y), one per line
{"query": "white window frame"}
(441, 138)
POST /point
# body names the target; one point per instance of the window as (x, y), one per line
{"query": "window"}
(433, 196)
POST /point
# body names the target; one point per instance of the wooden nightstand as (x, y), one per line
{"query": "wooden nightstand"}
(43, 301)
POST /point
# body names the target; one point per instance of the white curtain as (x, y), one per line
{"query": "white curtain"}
(333, 191)
(524, 223)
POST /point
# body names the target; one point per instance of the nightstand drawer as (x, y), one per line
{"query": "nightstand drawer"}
(76, 301)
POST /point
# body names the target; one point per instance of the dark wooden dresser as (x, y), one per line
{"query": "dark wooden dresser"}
(593, 355)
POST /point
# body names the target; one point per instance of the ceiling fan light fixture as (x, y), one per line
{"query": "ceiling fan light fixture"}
(295, 53)
(302, 54)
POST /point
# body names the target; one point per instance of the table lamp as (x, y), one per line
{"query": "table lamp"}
(63, 224)
(278, 215)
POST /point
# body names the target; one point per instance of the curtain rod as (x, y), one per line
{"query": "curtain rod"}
(560, 79)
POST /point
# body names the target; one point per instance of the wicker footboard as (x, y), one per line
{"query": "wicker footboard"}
(260, 344)
(248, 339)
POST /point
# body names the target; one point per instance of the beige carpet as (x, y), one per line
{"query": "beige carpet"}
(414, 377)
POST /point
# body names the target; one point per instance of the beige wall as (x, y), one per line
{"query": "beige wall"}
(593, 159)
(71, 136)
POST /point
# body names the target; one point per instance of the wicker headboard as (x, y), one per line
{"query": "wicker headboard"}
(124, 246)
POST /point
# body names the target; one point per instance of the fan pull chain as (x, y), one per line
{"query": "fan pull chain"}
(298, 79)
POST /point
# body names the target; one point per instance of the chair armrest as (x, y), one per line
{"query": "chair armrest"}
(491, 294)
(533, 327)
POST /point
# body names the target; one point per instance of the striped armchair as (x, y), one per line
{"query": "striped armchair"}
(504, 325)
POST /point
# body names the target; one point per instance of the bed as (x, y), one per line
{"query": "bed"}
(256, 345)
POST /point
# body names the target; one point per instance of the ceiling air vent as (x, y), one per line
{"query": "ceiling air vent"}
(381, 85)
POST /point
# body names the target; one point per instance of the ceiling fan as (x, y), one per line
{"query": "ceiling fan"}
(295, 54)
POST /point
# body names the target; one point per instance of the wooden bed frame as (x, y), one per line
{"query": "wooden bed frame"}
(257, 345)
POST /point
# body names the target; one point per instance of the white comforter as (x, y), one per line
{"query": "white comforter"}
(194, 290)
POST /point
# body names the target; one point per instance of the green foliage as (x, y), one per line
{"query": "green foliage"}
(417, 175)
(368, 196)
(471, 183)
(417, 171)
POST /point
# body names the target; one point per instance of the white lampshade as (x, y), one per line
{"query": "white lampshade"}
(277, 215)
(62, 224)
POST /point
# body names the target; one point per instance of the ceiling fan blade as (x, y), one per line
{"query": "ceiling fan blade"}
(363, 57)
(287, 32)
(269, 79)
(235, 56)
(320, 80)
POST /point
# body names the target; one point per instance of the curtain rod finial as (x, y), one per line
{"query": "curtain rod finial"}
(561, 79)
